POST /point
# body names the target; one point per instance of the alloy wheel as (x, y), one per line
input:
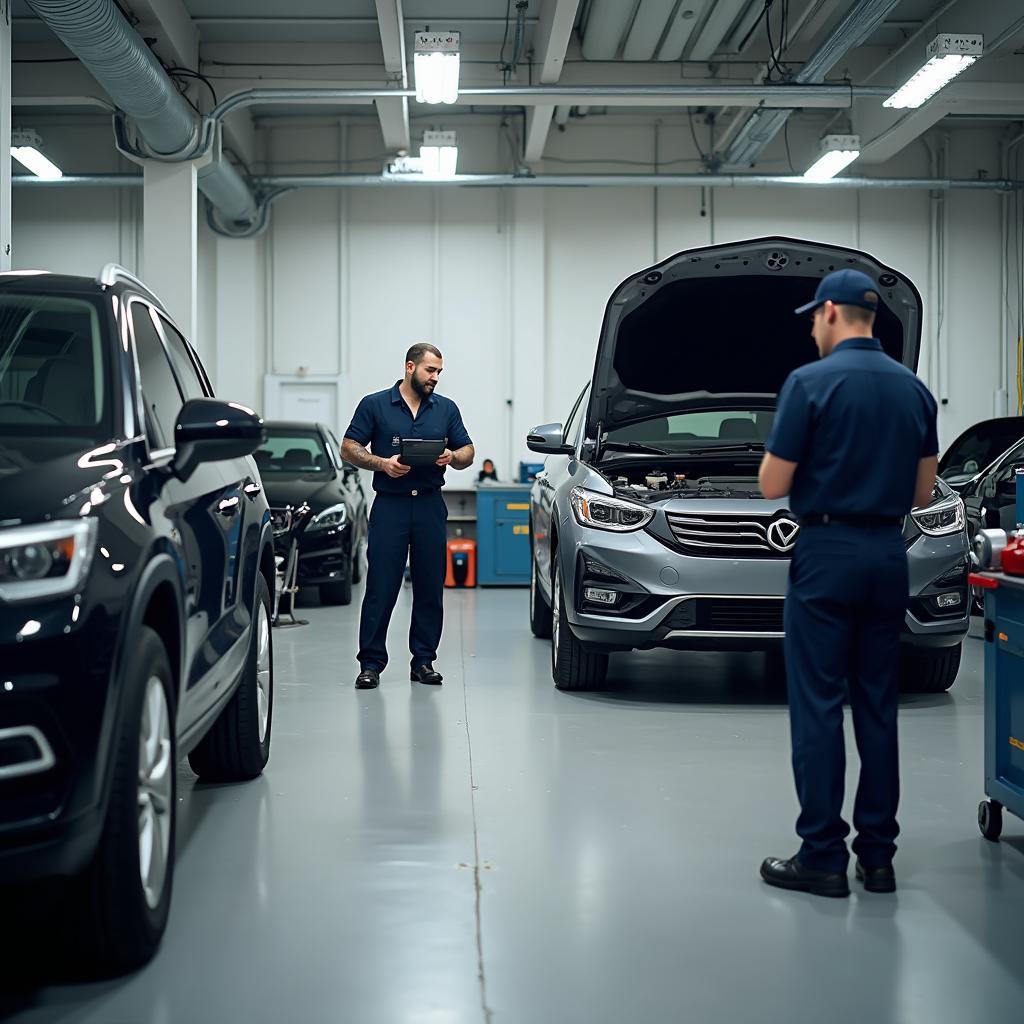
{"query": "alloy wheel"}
(154, 791)
(264, 679)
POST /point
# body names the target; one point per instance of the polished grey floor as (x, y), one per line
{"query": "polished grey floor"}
(496, 850)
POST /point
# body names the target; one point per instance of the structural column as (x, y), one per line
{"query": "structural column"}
(5, 134)
(169, 232)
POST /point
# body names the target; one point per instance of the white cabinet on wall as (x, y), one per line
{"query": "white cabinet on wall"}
(310, 399)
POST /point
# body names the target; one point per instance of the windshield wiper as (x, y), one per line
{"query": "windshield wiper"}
(715, 449)
(633, 446)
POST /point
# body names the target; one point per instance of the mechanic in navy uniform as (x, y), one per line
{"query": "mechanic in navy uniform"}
(854, 445)
(408, 520)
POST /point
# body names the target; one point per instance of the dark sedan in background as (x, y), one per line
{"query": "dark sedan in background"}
(301, 466)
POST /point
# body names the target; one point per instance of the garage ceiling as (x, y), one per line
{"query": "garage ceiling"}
(597, 45)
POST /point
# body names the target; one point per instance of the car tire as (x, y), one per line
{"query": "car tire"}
(930, 670)
(123, 899)
(573, 666)
(237, 747)
(338, 593)
(541, 623)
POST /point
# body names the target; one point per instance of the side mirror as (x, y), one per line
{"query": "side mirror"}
(209, 430)
(548, 439)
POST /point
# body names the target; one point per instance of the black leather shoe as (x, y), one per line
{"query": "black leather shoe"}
(426, 674)
(791, 874)
(877, 879)
(368, 679)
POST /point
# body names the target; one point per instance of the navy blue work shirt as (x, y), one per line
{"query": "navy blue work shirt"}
(382, 419)
(857, 423)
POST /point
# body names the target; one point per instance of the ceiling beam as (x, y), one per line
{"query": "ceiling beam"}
(393, 113)
(168, 21)
(550, 46)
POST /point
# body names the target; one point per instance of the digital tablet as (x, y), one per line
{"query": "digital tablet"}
(417, 451)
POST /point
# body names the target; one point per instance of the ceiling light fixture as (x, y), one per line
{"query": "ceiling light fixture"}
(837, 152)
(439, 154)
(948, 55)
(25, 145)
(436, 67)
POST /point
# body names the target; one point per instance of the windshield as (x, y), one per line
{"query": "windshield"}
(293, 453)
(704, 429)
(55, 397)
(979, 448)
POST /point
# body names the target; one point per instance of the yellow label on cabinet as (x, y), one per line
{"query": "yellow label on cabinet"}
(1014, 742)
(518, 508)
(521, 531)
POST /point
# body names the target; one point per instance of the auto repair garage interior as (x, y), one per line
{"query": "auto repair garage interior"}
(306, 191)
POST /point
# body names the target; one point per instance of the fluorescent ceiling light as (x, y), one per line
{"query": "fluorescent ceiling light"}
(25, 145)
(439, 154)
(947, 55)
(436, 67)
(837, 152)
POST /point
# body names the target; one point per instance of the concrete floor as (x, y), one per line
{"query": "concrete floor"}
(496, 850)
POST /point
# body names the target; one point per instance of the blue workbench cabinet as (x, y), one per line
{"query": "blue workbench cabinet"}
(1004, 701)
(503, 535)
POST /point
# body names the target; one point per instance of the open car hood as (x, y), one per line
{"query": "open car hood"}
(710, 327)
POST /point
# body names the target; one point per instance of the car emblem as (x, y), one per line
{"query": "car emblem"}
(782, 534)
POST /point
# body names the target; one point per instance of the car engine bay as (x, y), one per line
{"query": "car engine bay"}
(661, 480)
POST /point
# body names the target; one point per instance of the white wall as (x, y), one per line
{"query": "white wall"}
(512, 284)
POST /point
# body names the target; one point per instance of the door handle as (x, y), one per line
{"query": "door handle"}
(252, 491)
(229, 507)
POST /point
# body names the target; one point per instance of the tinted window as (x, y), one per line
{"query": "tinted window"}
(699, 429)
(979, 448)
(294, 453)
(160, 391)
(54, 391)
(572, 425)
(181, 357)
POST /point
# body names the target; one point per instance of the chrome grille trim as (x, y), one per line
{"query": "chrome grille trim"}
(724, 535)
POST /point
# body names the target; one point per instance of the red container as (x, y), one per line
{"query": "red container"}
(461, 563)
(1012, 557)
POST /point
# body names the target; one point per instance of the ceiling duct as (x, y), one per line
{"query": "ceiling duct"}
(607, 23)
(859, 22)
(648, 27)
(115, 55)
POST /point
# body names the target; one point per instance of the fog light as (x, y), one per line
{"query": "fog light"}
(601, 596)
(953, 600)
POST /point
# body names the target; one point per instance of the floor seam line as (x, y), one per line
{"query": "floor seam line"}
(478, 889)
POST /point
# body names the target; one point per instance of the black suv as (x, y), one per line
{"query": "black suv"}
(136, 572)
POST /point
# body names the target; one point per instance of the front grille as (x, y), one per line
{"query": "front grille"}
(728, 615)
(713, 535)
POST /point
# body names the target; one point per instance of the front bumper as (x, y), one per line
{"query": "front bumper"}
(325, 556)
(54, 685)
(668, 599)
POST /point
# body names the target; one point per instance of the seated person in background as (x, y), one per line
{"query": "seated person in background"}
(488, 472)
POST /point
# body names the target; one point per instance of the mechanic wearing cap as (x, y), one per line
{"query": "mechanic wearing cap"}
(854, 445)
(408, 521)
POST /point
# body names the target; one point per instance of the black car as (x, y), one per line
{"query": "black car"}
(136, 573)
(302, 468)
(989, 492)
(977, 448)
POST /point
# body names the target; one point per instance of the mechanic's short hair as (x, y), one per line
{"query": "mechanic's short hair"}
(420, 351)
(857, 315)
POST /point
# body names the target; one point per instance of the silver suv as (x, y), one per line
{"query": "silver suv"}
(647, 526)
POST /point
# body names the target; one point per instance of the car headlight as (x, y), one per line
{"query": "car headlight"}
(941, 519)
(330, 519)
(603, 512)
(46, 560)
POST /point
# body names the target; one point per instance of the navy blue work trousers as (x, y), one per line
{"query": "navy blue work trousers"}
(404, 527)
(845, 607)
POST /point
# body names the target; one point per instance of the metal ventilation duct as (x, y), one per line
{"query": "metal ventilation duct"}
(97, 33)
(763, 125)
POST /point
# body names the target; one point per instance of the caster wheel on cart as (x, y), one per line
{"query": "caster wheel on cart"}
(990, 819)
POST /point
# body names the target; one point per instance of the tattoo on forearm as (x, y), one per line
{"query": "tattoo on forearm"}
(352, 451)
(463, 458)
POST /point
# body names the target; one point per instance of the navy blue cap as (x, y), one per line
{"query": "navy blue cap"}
(845, 288)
